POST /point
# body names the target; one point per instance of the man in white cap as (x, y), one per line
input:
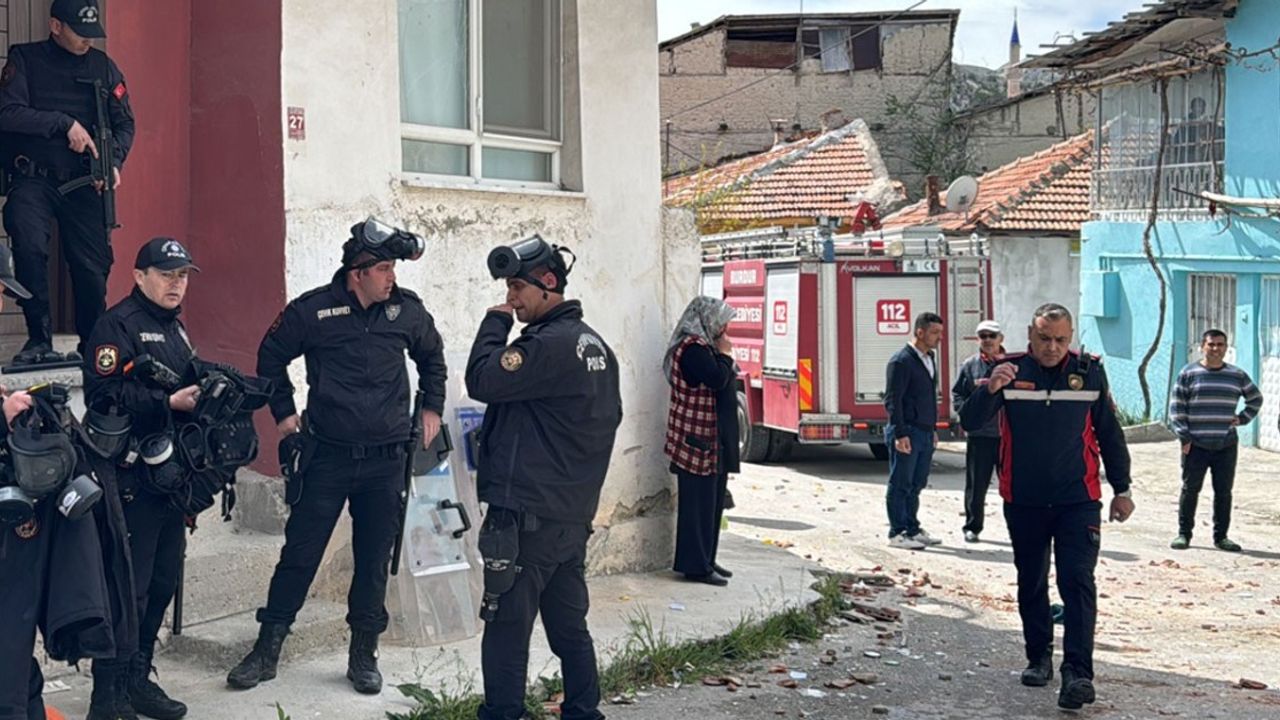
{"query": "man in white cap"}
(983, 446)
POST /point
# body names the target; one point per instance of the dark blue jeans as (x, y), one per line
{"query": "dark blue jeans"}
(908, 474)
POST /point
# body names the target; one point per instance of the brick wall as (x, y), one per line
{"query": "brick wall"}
(916, 59)
(1008, 131)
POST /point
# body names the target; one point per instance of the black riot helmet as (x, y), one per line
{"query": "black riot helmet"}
(521, 259)
(42, 461)
(382, 242)
(108, 431)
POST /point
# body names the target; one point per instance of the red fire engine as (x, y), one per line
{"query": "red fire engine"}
(817, 320)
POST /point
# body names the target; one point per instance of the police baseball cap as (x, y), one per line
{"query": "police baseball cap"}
(164, 253)
(7, 277)
(84, 17)
(989, 326)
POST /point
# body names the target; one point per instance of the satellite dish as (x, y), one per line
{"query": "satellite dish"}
(961, 194)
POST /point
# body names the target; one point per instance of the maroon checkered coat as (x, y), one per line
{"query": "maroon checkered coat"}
(692, 414)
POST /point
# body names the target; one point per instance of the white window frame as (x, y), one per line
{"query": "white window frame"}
(475, 138)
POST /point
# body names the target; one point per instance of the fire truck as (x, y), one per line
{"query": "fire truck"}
(818, 317)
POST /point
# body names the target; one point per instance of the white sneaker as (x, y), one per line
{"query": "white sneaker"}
(970, 536)
(902, 542)
(926, 539)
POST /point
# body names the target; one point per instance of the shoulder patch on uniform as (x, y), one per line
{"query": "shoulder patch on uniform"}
(27, 530)
(393, 312)
(120, 91)
(275, 324)
(106, 357)
(1075, 381)
(512, 360)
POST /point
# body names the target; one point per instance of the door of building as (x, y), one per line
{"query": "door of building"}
(1269, 363)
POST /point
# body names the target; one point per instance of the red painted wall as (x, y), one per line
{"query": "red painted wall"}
(237, 222)
(151, 44)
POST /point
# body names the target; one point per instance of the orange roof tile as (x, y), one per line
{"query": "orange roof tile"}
(803, 179)
(1044, 192)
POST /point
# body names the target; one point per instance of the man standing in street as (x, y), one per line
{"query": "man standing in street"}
(1202, 413)
(982, 446)
(48, 113)
(553, 412)
(354, 333)
(1058, 422)
(911, 397)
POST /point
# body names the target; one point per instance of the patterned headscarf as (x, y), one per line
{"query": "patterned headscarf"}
(706, 318)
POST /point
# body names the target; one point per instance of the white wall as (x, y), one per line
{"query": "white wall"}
(1026, 273)
(340, 63)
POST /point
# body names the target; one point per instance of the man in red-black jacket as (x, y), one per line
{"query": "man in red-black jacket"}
(1058, 422)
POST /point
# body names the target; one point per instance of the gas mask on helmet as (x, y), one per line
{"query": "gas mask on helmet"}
(44, 462)
(521, 259)
(382, 242)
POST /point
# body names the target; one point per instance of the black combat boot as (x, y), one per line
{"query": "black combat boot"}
(110, 697)
(1039, 672)
(1076, 691)
(362, 663)
(147, 697)
(33, 352)
(260, 664)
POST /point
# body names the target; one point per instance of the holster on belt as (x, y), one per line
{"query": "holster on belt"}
(295, 451)
(500, 548)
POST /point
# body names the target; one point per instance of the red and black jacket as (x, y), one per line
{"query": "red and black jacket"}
(1057, 424)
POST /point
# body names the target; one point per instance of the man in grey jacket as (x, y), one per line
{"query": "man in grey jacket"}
(983, 447)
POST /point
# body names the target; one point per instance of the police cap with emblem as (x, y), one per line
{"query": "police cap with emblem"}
(164, 253)
(7, 278)
(84, 17)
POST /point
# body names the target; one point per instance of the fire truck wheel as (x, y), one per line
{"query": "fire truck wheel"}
(879, 451)
(780, 446)
(753, 440)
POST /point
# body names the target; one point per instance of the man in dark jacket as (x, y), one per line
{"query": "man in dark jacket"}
(47, 115)
(145, 323)
(1058, 422)
(553, 411)
(911, 397)
(354, 333)
(982, 446)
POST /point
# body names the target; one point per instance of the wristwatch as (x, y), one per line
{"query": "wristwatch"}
(1125, 494)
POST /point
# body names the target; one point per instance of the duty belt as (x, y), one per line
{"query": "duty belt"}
(389, 451)
(24, 166)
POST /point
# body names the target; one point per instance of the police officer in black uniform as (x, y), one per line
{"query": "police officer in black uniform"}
(354, 333)
(553, 411)
(144, 323)
(46, 116)
(23, 555)
(1058, 428)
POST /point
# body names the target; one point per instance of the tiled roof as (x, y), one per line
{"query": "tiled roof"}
(803, 179)
(1044, 192)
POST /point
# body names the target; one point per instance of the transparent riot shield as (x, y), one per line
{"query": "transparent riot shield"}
(435, 598)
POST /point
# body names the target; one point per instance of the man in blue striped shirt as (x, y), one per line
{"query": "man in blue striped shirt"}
(1202, 413)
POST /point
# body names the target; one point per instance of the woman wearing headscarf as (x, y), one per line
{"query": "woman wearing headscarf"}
(702, 433)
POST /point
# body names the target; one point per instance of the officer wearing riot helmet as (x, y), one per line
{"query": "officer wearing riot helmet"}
(53, 561)
(354, 333)
(47, 115)
(553, 411)
(145, 323)
(21, 560)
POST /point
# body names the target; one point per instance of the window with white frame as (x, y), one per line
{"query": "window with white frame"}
(480, 90)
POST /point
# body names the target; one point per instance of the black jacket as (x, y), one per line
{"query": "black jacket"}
(910, 393)
(1057, 423)
(40, 98)
(357, 379)
(553, 411)
(132, 327)
(971, 376)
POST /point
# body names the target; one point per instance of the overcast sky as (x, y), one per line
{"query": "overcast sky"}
(982, 37)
